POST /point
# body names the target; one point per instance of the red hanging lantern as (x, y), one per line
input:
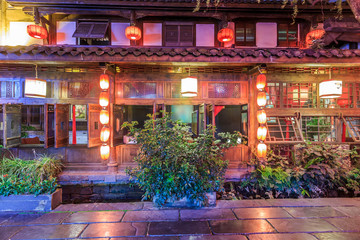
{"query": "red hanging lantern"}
(104, 152)
(261, 117)
(133, 33)
(314, 35)
(225, 35)
(261, 82)
(105, 134)
(104, 117)
(261, 99)
(261, 150)
(104, 99)
(37, 31)
(261, 133)
(104, 81)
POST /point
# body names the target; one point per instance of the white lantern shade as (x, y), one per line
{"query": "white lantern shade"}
(330, 89)
(189, 87)
(35, 88)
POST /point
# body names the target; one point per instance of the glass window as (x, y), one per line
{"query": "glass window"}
(287, 35)
(319, 129)
(140, 90)
(245, 34)
(224, 90)
(137, 113)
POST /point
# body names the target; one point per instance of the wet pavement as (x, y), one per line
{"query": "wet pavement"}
(283, 219)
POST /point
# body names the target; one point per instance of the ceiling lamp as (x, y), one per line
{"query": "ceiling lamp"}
(313, 36)
(225, 35)
(189, 87)
(330, 89)
(37, 31)
(133, 33)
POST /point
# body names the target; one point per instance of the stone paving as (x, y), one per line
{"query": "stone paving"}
(280, 219)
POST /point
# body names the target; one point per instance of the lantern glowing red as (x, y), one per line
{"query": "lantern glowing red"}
(261, 133)
(261, 150)
(37, 31)
(261, 82)
(105, 134)
(104, 117)
(133, 33)
(104, 82)
(104, 152)
(104, 99)
(314, 35)
(261, 117)
(261, 99)
(225, 35)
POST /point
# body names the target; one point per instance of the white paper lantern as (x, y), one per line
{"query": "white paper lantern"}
(189, 87)
(35, 88)
(330, 89)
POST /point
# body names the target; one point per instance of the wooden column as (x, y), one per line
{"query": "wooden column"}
(253, 124)
(112, 164)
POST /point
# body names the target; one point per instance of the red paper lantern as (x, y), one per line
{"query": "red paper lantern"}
(37, 31)
(261, 150)
(261, 117)
(314, 35)
(104, 99)
(261, 133)
(225, 35)
(104, 117)
(105, 134)
(104, 152)
(261, 81)
(261, 99)
(104, 82)
(133, 33)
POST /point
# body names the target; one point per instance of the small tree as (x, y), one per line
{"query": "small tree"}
(173, 165)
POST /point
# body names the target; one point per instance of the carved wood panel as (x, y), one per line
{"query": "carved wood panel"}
(11, 125)
(94, 125)
(116, 120)
(62, 125)
(49, 125)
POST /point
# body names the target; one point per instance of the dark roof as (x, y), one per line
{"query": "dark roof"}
(184, 54)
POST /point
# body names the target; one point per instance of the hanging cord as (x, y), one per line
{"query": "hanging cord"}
(329, 73)
(36, 71)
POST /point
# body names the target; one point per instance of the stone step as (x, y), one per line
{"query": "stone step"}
(85, 167)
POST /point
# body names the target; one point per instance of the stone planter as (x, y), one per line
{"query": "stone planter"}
(186, 203)
(40, 203)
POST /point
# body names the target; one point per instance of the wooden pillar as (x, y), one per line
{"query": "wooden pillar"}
(112, 163)
(253, 124)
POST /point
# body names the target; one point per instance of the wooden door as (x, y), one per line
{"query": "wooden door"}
(160, 109)
(116, 120)
(49, 125)
(94, 125)
(11, 118)
(62, 125)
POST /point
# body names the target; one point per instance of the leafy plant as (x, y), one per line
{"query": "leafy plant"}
(173, 165)
(24, 129)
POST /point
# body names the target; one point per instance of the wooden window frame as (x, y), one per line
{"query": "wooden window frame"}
(288, 43)
(278, 127)
(245, 42)
(305, 131)
(93, 22)
(179, 43)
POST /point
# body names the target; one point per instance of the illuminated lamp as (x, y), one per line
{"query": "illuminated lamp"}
(330, 89)
(104, 99)
(104, 117)
(37, 31)
(261, 99)
(314, 35)
(104, 81)
(189, 87)
(225, 35)
(133, 33)
(261, 117)
(261, 82)
(261, 150)
(261, 133)
(105, 134)
(104, 152)
(35, 88)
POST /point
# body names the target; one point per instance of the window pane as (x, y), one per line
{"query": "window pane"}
(137, 113)
(224, 90)
(250, 33)
(139, 90)
(240, 34)
(176, 90)
(318, 129)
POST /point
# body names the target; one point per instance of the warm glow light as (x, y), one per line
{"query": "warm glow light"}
(104, 99)
(37, 31)
(105, 134)
(225, 35)
(261, 150)
(104, 117)
(104, 152)
(133, 33)
(189, 87)
(104, 82)
(261, 99)
(261, 117)
(35, 88)
(330, 89)
(261, 81)
(314, 35)
(261, 133)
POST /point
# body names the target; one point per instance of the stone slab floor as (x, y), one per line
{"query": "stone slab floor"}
(283, 219)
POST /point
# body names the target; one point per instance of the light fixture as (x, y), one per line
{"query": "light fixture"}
(225, 35)
(261, 150)
(330, 88)
(261, 82)
(261, 133)
(105, 152)
(104, 81)
(313, 36)
(261, 116)
(105, 134)
(261, 99)
(104, 99)
(133, 33)
(189, 86)
(37, 31)
(104, 117)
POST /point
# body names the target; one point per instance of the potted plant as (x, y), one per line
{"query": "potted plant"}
(173, 165)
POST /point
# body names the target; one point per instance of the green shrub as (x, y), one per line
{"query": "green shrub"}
(172, 164)
(29, 177)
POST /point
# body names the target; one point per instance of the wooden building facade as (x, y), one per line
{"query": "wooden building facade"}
(86, 39)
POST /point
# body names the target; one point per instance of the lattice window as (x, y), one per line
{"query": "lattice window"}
(299, 95)
(318, 129)
(283, 129)
(357, 94)
(273, 92)
(353, 126)
(9, 89)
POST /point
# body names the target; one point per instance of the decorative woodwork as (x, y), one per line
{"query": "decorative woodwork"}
(116, 120)
(49, 125)
(94, 125)
(62, 125)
